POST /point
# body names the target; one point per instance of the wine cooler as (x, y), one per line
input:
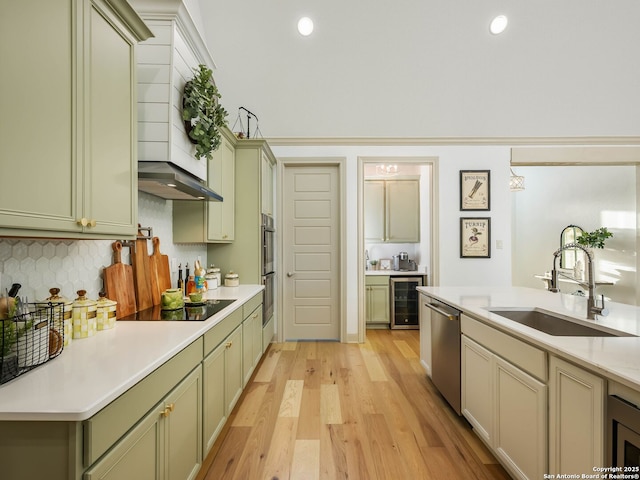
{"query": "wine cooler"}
(405, 304)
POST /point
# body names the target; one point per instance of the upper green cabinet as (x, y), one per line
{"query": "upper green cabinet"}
(68, 118)
(214, 222)
(392, 211)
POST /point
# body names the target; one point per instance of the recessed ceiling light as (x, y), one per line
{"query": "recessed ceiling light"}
(305, 26)
(498, 24)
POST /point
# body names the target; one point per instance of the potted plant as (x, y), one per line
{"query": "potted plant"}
(202, 113)
(374, 264)
(594, 239)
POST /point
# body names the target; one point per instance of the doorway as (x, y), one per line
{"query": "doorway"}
(426, 250)
(312, 238)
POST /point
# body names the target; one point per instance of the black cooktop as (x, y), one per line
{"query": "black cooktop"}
(196, 312)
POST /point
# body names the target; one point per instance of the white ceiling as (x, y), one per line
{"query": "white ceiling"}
(429, 68)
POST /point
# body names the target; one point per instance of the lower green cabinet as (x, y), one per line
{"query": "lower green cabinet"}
(167, 443)
(377, 310)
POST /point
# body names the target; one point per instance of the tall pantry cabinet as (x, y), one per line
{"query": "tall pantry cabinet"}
(68, 110)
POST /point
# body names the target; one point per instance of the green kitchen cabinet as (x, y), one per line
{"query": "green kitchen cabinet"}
(223, 375)
(251, 336)
(211, 222)
(167, 443)
(68, 139)
(377, 309)
(392, 211)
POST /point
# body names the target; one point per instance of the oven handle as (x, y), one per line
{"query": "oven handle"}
(448, 315)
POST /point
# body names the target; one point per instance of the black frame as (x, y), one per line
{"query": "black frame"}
(469, 205)
(486, 231)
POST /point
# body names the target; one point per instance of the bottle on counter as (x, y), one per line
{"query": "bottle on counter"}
(191, 285)
(180, 280)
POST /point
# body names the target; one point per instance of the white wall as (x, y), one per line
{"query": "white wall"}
(590, 197)
(429, 68)
(452, 269)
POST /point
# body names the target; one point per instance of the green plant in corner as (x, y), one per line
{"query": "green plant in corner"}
(594, 239)
(202, 113)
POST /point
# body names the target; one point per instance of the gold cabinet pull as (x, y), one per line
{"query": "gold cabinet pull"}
(165, 413)
(228, 344)
(171, 406)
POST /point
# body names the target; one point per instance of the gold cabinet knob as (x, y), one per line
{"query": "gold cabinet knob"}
(228, 344)
(92, 222)
(171, 406)
(83, 222)
(165, 413)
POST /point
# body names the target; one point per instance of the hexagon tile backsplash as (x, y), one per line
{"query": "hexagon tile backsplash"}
(72, 265)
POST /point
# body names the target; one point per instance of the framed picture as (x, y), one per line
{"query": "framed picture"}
(385, 264)
(475, 189)
(475, 237)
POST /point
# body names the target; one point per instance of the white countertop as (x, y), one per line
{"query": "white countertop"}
(92, 372)
(617, 358)
(394, 273)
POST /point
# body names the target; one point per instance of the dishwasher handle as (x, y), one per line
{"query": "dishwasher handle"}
(448, 315)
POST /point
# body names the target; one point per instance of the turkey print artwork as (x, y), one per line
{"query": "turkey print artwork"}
(475, 237)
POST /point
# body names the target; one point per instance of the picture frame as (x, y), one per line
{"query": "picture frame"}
(385, 264)
(475, 237)
(475, 190)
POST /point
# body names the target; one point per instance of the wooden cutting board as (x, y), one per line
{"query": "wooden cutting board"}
(160, 272)
(118, 283)
(141, 273)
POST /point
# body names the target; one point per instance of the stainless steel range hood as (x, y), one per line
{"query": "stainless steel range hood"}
(166, 180)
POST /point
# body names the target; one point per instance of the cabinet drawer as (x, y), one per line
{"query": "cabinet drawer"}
(376, 280)
(525, 356)
(222, 330)
(251, 305)
(109, 424)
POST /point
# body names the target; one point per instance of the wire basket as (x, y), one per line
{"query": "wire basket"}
(30, 339)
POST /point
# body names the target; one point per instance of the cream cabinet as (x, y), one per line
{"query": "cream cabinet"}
(425, 334)
(68, 129)
(576, 418)
(504, 397)
(211, 222)
(149, 450)
(392, 211)
(377, 305)
(251, 336)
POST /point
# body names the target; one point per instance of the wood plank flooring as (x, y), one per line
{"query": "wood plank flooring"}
(324, 410)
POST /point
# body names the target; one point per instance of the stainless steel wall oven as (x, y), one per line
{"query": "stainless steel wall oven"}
(268, 269)
(623, 434)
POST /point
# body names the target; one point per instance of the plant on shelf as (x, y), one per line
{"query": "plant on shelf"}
(202, 113)
(594, 239)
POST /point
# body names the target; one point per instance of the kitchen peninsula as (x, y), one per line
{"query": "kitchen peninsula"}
(112, 402)
(540, 401)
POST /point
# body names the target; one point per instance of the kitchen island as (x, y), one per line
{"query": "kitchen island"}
(116, 401)
(539, 401)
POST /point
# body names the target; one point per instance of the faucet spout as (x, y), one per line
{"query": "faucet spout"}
(592, 308)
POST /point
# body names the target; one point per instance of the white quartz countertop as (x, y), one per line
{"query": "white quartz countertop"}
(394, 273)
(617, 358)
(92, 372)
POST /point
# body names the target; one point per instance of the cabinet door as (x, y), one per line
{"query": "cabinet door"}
(576, 418)
(233, 378)
(520, 439)
(184, 428)
(138, 456)
(477, 365)
(214, 414)
(268, 177)
(403, 211)
(110, 189)
(251, 343)
(425, 335)
(39, 164)
(374, 212)
(221, 178)
(379, 303)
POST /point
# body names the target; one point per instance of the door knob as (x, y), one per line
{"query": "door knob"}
(290, 274)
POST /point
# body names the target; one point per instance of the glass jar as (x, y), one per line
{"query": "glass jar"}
(231, 279)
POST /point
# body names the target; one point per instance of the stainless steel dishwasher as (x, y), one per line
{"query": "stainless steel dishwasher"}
(445, 351)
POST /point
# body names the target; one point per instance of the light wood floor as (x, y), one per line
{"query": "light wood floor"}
(321, 410)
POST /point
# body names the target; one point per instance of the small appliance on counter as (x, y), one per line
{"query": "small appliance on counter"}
(402, 263)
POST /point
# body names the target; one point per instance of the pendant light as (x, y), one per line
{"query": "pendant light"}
(516, 182)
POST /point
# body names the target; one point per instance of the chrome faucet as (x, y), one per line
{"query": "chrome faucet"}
(592, 308)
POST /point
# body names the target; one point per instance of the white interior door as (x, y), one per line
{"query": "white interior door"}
(311, 252)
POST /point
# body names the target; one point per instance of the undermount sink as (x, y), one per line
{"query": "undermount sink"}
(552, 324)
